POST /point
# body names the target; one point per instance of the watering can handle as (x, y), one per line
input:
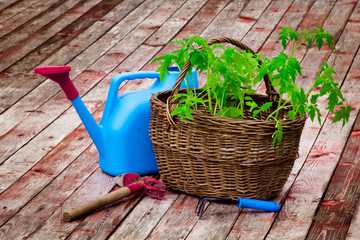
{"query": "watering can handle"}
(112, 99)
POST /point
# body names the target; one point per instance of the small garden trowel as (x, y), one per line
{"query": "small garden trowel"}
(130, 183)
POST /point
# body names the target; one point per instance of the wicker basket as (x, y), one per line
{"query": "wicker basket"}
(220, 156)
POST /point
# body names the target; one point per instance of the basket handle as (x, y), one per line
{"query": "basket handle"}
(170, 106)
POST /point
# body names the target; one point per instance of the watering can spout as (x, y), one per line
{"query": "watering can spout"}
(60, 75)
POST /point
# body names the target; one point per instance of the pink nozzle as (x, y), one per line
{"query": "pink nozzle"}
(59, 74)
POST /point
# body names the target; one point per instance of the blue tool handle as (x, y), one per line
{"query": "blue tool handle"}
(258, 204)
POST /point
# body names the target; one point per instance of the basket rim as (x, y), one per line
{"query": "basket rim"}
(212, 117)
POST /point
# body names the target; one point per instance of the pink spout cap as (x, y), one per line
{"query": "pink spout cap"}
(52, 69)
(59, 74)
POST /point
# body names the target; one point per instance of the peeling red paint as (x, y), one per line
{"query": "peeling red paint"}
(320, 155)
(154, 45)
(118, 55)
(261, 30)
(350, 3)
(247, 19)
(149, 27)
(354, 21)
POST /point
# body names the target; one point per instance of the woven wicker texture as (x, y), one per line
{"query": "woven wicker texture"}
(220, 156)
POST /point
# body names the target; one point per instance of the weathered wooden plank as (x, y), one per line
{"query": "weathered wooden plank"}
(91, 225)
(184, 230)
(12, 142)
(181, 12)
(336, 210)
(248, 226)
(41, 94)
(85, 81)
(161, 37)
(43, 205)
(204, 229)
(96, 14)
(52, 38)
(27, 14)
(267, 23)
(36, 179)
(96, 185)
(25, 158)
(177, 221)
(38, 120)
(196, 26)
(166, 7)
(304, 196)
(316, 19)
(217, 222)
(61, 103)
(292, 18)
(226, 216)
(17, 46)
(235, 17)
(7, 4)
(10, 138)
(354, 230)
(13, 9)
(37, 28)
(29, 185)
(145, 216)
(107, 220)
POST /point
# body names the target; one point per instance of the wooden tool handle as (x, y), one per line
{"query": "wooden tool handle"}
(95, 204)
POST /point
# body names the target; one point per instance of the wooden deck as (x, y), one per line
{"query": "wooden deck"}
(48, 162)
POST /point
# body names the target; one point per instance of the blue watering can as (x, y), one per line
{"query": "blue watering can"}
(122, 137)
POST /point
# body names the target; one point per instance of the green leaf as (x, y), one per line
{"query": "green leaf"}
(231, 74)
(294, 36)
(326, 88)
(179, 111)
(319, 115)
(304, 32)
(188, 114)
(312, 112)
(309, 40)
(256, 112)
(164, 65)
(313, 98)
(291, 114)
(329, 40)
(333, 101)
(232, 112)
(179, 42)
(319, 80)
(284, 40)
(266, 106)
(252, 105)
(343, 114)
(301, 109)
(278, 134)
(278, 61)
(294, 68)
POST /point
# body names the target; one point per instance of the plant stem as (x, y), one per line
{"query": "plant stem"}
(277, 110)
(295, 47)
(187, 84)
(208, 81)
(279, 105)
